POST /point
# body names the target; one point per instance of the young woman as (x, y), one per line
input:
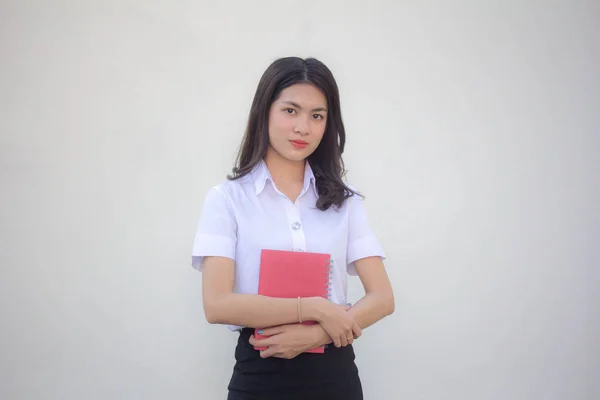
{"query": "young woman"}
(287, 193)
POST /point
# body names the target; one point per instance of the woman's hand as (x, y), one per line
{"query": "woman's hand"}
(287, 341)
(338, 323)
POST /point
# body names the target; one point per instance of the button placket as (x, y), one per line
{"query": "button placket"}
(296, 228)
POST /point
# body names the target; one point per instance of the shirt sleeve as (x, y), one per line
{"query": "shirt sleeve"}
(362, 242)
(216, 233)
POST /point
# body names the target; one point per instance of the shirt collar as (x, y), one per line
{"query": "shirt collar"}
(260, 175)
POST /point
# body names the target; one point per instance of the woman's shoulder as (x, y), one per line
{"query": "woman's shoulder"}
(229, 189)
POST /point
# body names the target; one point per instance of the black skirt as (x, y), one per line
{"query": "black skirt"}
(329, 376)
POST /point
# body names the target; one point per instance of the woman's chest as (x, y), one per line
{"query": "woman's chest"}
(279, 224)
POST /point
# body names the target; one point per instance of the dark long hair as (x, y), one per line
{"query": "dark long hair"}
(326, 161)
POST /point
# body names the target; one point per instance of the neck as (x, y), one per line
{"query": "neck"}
(284, 171)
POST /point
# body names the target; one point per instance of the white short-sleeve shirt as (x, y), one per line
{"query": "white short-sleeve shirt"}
(241, 217)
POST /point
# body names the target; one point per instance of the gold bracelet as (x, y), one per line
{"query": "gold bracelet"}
(299, 310)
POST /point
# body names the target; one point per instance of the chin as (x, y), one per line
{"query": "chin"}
(300, 155)
(296, 157)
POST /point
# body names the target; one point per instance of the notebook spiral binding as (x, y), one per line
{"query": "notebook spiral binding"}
(328, 279)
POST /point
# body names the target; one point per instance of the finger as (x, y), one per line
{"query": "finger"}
(274, 330)
(270, 352)
(350, 337)
(344, 341)
(336, 341)
(266, 342)
(262, 343)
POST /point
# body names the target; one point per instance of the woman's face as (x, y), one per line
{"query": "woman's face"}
(297, 121)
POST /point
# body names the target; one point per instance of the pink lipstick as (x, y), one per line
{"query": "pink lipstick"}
(300, 144)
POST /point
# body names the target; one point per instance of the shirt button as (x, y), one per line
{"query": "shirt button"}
(296, 226)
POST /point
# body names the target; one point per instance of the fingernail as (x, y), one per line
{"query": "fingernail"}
(260, 331)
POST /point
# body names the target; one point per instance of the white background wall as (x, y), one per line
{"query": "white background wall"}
(473, 129)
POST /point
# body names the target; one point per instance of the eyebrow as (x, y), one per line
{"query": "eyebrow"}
(298, 106)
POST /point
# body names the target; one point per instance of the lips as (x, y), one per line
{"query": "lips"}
(299, 143)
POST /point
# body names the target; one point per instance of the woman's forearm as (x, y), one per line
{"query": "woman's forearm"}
(367, 311)
(256, 311)
(371, 308)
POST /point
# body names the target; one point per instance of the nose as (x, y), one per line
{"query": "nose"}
(301, 127)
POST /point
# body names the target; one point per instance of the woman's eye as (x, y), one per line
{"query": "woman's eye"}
(290, 110)
(317, 116)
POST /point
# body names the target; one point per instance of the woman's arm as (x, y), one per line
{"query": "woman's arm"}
(378, 301)
(222, 306)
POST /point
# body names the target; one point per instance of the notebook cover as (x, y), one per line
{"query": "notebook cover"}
(289, 274)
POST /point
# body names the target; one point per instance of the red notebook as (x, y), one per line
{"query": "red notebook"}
(289, 274)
